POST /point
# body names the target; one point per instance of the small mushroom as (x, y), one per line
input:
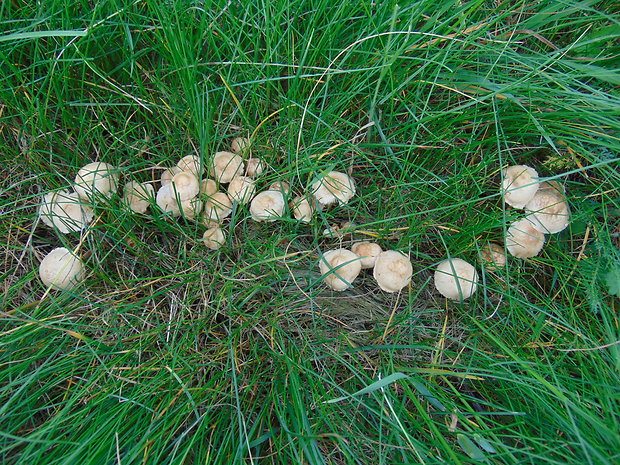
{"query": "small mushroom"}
(549, 211)
(267, 206)
(239, 144)
(185, 185)
(392, 271)
(226, 165)
(456, 279)
(214, 238)
(96, 179)
(65, 211)
(281, 186)
(254, 167)
(241, 189)
(302, 209)
(208, 187)
(339, 268)
(334, 187)
(168, 174)
(552, 185)
(368, 252)
(137, 196)
(523, 240)
(519, 185)
(60, 269)
(492, 255)
(217, 207)
(191, 163)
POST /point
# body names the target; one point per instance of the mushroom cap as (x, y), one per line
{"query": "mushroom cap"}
(214, 238)
(226, 165)
(137, 195)
(302, 209)
(185, 185)
(549, 211)
(267, 206)
(191, 163)
(519, 185)
(65, 211)
(392, 271)
(254, 167)
(493, 256)
(552, 185)
(281, 186)
(60, 269)
(339, 268)
(241, 189)
(96, 178)
(217, 207)
(166, 200)
(368, 252)
(208, 187)
(455, 277)
(523, 240)
(168, 174)
(334, 187)
(239, 144)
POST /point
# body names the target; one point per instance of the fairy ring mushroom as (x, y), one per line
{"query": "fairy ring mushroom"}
(334, 187)
(392, 271)
(520, 183)
(60, 269)
(96, 178)
(456, 279)
(339, 268)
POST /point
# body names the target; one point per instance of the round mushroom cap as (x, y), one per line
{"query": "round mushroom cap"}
(492, 256)
(217, 207)
(239, 144)
(549, 211)
(456, 279)
(281, 186)
(167, 201)
(214, 238)
(168, 174)
(96, 179)
(552, 185)
(523, 240)
(226, 165)
(208, 187)
(254, 167)
(519, 185)
(334, 187)
(137, 196)
(185, 185)
(368, 252)
(302, 209)
(392, 271)
(241, 189)
(60, 269)
(191, 164)
(267, 206)
(339, 268)
(65, 211)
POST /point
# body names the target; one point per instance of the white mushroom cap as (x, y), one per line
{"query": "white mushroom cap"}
(455, 278)
(339, 268)
(241, 189)
(334, 187)
(519, 185)
(523, 240)
(96, 179)
(171, 203)
(267, 206)
(302, 209)
(549, 211)
(217, 207)
(392, 271)
(168, 174)
(493, 256)
(208, 187)
(254, 167)
(239, 144)
(65, 211)
(137, 196)
(185, 185)
(552, 185)
(191, 163)
(368, 252)
(281, 186)
(226, 165)
(214, 238)
(60, 269)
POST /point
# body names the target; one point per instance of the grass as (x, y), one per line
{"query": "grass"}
(171, 353)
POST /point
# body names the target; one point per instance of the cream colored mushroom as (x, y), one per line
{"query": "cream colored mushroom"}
(267, 206)
(281, 186)
(368, 252)
(214, 238)
(523, 240)
(217, 207)
(96, 179)
(493, 256)
(239, 144)
(334, 187)
(254, 167)
(241, 189)
(549, 211)
(137, 196)
(191, 164)
(168, 174)
(552, 185)
(185, 185)
(302, 209)
(226, 165)
(208, 187)
(339, 268)
(65, 211)
(392, 271)
(60, 269)
(167, 201)
(519, 185)
(456, 279)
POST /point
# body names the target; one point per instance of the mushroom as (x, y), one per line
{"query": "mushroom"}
(226, 165)
(549, 211)
(334, 187)
(492, 255)
(302, 209)
(339, 268)
(456, 279)
(137, 196)
(65, 211)
(267, 206)
(239, 144)
(170, 202)
(214, 238)
(523, 240)
(168, 174)
(185, 185)
(392, 271)
(254, 167)
(217, 207)
(241, 189)
(191, 163)
(96, 179)
(368, 252)
(519, 185)
(552, 185)
(60, 269)
(208, 187)
(281, 186)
